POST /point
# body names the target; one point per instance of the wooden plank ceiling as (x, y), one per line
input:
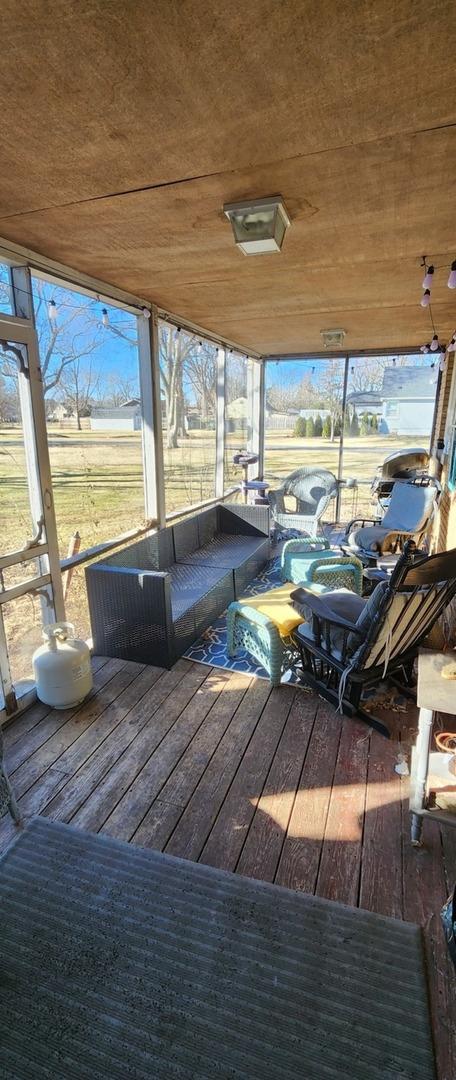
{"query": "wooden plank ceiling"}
(126, 126)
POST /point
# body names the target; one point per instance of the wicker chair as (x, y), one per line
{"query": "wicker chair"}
(311, 489)
(312, 561)
(347, 643)
(7, 798)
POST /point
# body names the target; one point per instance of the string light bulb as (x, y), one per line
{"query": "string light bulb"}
(146, 312)
(424, 348)
(104, 317)
(452, 278)
(452, 345)
(428, 277)
(435, 343)
(425, 299)
(52, 311)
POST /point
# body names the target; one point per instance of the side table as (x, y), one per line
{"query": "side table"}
(434, 694)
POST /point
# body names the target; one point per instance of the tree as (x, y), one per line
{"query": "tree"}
(354, 426)
(201, 372)
(318, 426)
(76, 333)
(374, 422)
(366, 373)
(281, 398)
(175, 346)
(310, 428)
(365, 424)
(331, 391)
(119, 389)
(9, 402)
(327, 427)
(300, 428)
(78, 387)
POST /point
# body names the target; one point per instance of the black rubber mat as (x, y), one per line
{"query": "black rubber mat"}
(124, 964)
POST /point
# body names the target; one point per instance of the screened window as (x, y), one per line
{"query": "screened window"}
(6, 306)
(188, 380)
(89, 362)
(236, 414)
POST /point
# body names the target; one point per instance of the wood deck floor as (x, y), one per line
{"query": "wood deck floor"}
(272, 783)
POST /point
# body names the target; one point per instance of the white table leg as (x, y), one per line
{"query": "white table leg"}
(418, 795)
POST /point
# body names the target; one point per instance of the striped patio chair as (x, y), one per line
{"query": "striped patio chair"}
(348, 643)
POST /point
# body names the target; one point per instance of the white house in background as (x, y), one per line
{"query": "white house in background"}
(408, 395)
(126, 417)
(366, 401)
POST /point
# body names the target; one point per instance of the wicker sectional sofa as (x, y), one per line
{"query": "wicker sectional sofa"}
(150, 601)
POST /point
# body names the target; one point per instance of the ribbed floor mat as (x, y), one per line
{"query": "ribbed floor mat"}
(126, 964)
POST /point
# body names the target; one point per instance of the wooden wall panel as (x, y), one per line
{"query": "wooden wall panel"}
(125, 127)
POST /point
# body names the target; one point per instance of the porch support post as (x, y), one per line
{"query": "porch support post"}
(152, 438)
(220, 424)
(21, 291)
(341, 439)
(31, 394)
(255, 415)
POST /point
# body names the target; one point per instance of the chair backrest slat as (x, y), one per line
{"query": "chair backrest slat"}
(416, 596)
(400, 615)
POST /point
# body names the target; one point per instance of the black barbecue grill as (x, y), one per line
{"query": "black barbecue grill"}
(407, 465)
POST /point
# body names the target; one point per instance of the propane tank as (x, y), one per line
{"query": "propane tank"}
(62, 668)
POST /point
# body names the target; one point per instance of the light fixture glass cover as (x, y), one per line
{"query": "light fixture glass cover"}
(259, 225)
(332, 338)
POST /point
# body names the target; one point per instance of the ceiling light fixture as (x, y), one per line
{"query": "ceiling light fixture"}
(332, 338)
(259, 225)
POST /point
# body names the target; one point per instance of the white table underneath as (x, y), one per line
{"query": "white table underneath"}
(434, 694)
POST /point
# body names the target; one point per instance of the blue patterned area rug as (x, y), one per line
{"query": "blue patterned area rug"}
(211, 647)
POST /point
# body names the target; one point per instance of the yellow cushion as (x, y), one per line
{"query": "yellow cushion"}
(277, 606)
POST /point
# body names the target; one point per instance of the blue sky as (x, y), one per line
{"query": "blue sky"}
(288, 372)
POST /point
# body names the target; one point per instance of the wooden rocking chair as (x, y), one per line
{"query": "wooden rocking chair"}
(348, 643)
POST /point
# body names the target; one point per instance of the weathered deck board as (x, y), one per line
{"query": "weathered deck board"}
(340, 863)
(301, 852)
(89, 774)
(382, 842)
(213, 766)
(195, 824)
(263, 844)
